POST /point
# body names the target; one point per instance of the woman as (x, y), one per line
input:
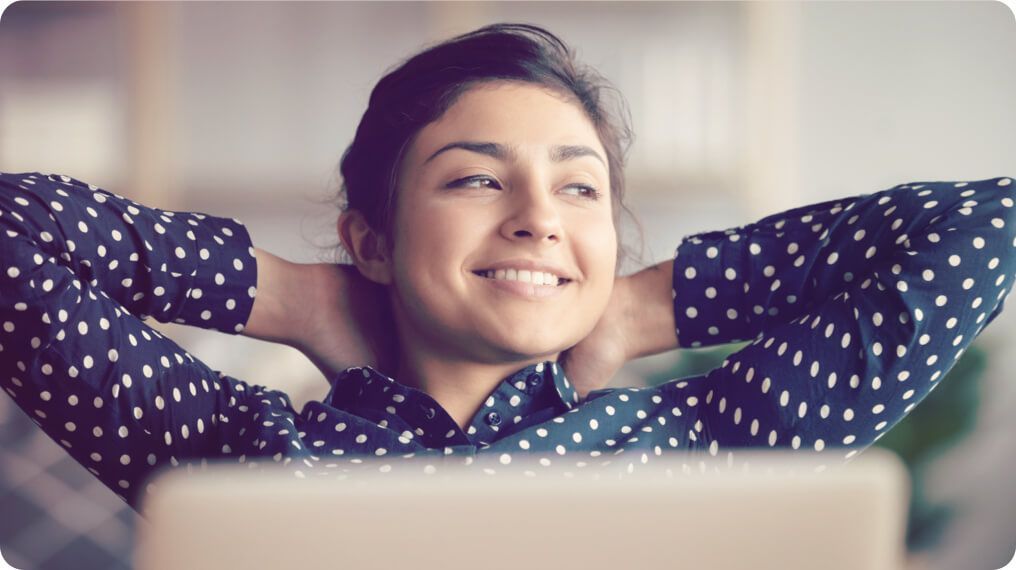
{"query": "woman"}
(481, 314)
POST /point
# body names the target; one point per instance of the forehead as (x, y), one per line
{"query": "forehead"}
(510, 113)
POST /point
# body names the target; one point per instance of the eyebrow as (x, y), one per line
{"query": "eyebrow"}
(505, 153)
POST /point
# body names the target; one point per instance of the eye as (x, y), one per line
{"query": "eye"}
(474, 182)
(479, 181)
(588, 192)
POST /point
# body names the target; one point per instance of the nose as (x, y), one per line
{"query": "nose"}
(534, 216)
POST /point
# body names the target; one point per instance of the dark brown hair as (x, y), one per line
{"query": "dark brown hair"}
(419, 91)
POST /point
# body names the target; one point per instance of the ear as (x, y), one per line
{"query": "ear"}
(366, 246)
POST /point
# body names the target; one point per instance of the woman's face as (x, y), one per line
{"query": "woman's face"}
(507, 175)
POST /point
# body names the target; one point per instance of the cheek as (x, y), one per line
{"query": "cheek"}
(604, 264)
(597, 244)
(431, 251)
(599, 255)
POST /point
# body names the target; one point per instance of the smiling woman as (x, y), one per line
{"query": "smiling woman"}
(461, 332)
(482, 313)
(492, 151)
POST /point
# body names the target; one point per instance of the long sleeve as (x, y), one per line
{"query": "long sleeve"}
(81, 268)
(857, 308)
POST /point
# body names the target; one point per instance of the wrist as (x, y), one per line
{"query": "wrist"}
(646, 302)
(314, 287)
(280, 304)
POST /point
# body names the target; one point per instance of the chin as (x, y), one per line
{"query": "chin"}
(530, 347)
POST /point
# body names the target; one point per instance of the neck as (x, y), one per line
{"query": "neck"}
(458, 380)
(461, 386)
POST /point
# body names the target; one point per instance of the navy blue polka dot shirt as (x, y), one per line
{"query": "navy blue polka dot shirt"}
(855, 309)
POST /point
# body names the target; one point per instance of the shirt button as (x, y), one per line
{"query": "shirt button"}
(494, 418)
(534, 379)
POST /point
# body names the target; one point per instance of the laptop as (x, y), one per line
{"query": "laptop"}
(773, 509)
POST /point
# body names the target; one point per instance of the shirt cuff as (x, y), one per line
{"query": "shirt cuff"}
(221, 293)
(703, 289)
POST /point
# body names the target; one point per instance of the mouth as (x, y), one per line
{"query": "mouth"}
(493, 276)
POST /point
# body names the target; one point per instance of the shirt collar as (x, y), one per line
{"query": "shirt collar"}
(536, 391)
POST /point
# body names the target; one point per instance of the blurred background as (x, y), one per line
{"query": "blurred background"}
(740, 110)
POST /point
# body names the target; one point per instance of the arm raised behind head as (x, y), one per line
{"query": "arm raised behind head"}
(331, 313)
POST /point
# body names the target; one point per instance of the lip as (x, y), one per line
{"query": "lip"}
(530, 264)
(522, 289)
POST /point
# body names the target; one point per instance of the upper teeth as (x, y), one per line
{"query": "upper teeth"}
(525, 275)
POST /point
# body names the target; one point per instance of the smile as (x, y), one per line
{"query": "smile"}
(527, 289)
(523, 276)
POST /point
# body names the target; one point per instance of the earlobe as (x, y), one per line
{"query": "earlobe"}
(365, 246)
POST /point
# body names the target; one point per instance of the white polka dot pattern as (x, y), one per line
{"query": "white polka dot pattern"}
(857, 308)
(73, 305)
(886, 289)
